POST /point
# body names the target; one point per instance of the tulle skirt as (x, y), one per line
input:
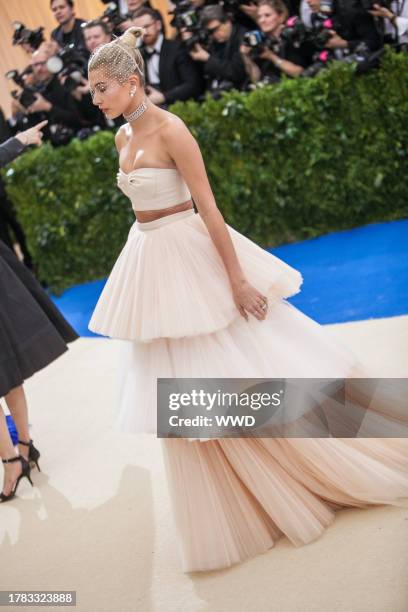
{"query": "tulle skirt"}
(169, 296)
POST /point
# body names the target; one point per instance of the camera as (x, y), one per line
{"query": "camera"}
(60, 135)
(258, 41)
(295, 32)
(23, 35)
(364, 58)
(71, 63)
(320, 31)
(112, 15)
(186, 17)
(27, 96)
(320, 61)
(199, 36)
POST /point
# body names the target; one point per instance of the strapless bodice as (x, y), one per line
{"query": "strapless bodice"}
(153, 188)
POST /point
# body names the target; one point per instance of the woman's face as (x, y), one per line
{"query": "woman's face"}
(109, 95)
(268, 19)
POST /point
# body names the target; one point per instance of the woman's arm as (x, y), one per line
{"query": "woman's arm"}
(284, 65)
(252, 69)
(12, 148)
(183, 148)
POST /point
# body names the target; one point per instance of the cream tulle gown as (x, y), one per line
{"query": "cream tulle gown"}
(169, 295)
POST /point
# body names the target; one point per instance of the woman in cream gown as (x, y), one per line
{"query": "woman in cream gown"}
(194, 298)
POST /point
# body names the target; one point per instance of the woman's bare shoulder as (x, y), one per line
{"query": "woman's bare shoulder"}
(172, 126)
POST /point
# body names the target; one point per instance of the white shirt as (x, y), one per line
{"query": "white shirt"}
(305, 13)
(400, 8)
(153, 62)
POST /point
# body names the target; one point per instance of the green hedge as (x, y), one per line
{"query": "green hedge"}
(286, 162)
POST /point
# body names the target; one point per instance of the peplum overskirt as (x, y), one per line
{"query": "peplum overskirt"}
(169, 281)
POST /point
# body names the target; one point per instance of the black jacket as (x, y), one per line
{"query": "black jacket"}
(355, 25)
(179, 78)
(225, 61)
(9, 150)
(76, 36)
(64, 110)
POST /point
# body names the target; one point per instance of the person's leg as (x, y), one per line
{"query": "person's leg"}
(17, 404)
(11, 470)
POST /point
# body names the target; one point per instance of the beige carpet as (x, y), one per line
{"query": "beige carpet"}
(98, 519)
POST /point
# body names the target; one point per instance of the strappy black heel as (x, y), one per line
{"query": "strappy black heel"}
(33, 453)
(24, 474)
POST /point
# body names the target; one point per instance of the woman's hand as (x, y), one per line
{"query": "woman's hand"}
(33, 135)
(249, 300)
(245, 49)
(268, 55)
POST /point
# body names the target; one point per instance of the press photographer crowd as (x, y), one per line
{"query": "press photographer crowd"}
(217, 46)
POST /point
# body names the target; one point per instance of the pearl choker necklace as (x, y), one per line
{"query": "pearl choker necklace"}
(136, 113)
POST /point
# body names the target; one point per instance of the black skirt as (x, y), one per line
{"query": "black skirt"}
(33, 333)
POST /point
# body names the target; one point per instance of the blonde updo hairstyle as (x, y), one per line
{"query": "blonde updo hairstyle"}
(120, 58)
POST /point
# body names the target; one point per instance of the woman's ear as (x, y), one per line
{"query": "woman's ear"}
(134, 81)
(133, 85)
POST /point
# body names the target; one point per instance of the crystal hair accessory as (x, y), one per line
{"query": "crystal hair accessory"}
(116, 43)
(136, 113)
(123, 48)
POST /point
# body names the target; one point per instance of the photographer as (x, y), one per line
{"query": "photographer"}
(20, 100)
(28, 40)
(270, 57)
(96, 32)
(69, 30)
(171, 74)
(222, 63)
(395, 21)
(353, 25)
(186, 19)
(118, 15)
(132, 7)
(51, 99)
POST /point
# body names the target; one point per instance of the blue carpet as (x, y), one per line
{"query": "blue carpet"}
(348, 276)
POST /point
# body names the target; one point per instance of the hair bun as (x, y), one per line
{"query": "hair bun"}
(130, 36)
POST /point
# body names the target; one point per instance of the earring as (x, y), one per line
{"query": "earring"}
(132, 92)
